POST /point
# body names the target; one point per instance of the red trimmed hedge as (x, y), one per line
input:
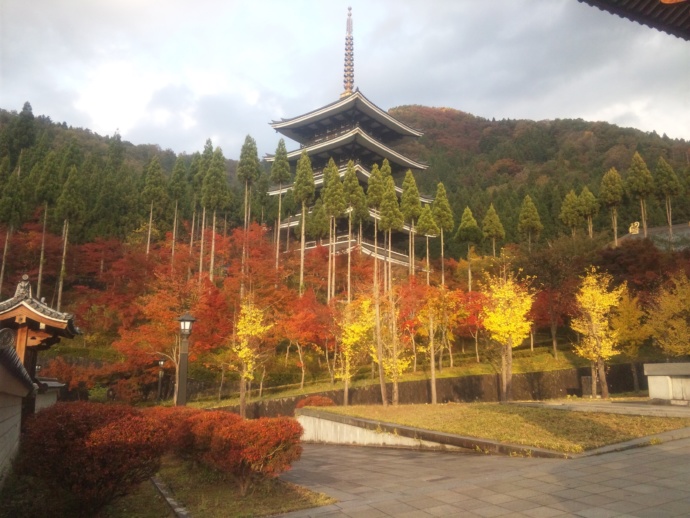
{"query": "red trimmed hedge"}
(93, 452)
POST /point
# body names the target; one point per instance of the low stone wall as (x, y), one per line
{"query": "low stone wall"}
(528, 386)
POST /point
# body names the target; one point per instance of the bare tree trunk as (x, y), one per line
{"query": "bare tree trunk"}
(643, 210)
(213, 248)
(614, 224)
(349, 257)
(602, 377)
(4, 255)
(202, 238)
(280, 208)
(443, 266)
(65, 237)
(301, 255)
(174, 238)
(43, 252)
(379, 349)
(636, 379)
(191, 243)
(432, 356)
(148, 237)
(428, 266)
(301, 364)
(330, 257)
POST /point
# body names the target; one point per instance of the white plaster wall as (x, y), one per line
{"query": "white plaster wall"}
(10, 421)
(331, 432)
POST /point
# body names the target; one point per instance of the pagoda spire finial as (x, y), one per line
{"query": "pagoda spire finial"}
(349, 72)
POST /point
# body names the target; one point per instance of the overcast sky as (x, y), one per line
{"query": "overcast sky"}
(176, 72)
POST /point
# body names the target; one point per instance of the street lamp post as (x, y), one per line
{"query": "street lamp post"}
(160, 378)
(186, 321)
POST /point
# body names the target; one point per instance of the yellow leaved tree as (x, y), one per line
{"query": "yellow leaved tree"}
(249, 331)
(669, 317)
(597, 301)
(506, 320)
(356, 338)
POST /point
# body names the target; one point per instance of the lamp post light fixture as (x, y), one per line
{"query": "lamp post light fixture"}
(161, 363)
(186, 322)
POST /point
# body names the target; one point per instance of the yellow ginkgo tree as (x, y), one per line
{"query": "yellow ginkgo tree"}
(597, 301)
(249, 331)
(356, 338)
(506, 320)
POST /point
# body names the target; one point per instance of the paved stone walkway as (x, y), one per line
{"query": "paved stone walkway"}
(650, 481)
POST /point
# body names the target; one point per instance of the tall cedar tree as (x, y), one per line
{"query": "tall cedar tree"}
(468, 232)
(375, 191)
(571, 215)
(411, 207)
(178, 191)
(70, 208)
(215, 196)
(248, 170)
(492, 228)
(589, 207)
(356, 206)
(529, 222)
(334, 205)
(280, 174)
(611, 196)
(47, 192)
(640, 185)
(12, 209)
(667, 186)
(428, 228)
(443, 216)
(155, 193)
(303, 192)
(391, 219)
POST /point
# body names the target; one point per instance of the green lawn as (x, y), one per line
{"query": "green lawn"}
(558, 430)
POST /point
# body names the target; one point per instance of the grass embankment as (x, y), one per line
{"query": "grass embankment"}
(558, 430)
(210, 494)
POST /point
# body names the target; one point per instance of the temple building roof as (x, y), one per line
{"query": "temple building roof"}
(23, 302)
(672, 17)
(354, 143)
(353, 107)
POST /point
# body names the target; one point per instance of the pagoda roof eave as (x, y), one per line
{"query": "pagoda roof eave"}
(286, 126)
(353, 135)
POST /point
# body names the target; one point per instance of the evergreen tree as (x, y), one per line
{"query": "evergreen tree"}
(428, 228)
(155, 193)
(317, 221)
(411, 207)
(611, 196)
(391, 219)
(443, 216)
(280, 174)
(571, 215)
(356, 206)
(12, 213)
(215, 196)
(334, 205)
(589, 207)
(667, 186)
(640, 185)
(47, 192)
(375, 189)
(529, 223)
(303, 191)
(70, 208)
(468, 232)
(492, 227)
(248, 170)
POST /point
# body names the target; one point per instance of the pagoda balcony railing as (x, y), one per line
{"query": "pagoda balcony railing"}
(342, 169)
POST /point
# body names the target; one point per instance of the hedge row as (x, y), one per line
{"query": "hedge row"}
(95, 452)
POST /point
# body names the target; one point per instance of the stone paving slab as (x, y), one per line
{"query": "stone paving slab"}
(651, 481)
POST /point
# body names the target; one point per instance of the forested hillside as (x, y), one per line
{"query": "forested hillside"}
(482, 161)
(130, 237)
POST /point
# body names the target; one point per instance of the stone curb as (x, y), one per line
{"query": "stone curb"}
(165, 492)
